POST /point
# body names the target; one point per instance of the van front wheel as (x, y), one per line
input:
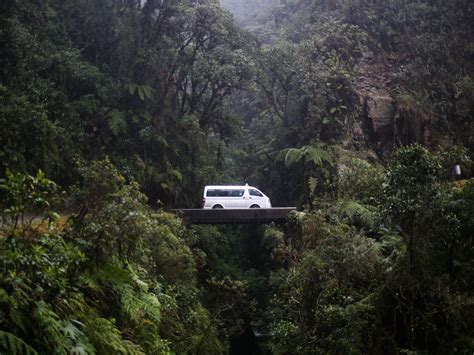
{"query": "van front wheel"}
(215, 207)
(255, 206)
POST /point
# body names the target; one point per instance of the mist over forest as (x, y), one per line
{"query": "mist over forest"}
(116, 114)
(247, 12)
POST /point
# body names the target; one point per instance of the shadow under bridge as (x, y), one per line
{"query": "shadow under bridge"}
(236, 216)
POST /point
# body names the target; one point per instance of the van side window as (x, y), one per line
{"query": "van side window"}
(225, 193)
(217, 193)
(211, 193)
(253, 192)
(237, 193)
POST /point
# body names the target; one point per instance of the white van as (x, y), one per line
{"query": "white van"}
(224, 196)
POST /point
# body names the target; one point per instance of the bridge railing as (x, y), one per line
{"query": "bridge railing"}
(236, 216)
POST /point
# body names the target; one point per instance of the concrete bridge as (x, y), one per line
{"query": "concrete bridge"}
(236, 216)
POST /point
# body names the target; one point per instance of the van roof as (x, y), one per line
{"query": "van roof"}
(227, 187)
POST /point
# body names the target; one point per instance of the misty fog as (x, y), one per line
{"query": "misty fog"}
(247, 11)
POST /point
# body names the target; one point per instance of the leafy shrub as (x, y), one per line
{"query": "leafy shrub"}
(24, 198)
(120, 280)
(359, 180)
(324, 297)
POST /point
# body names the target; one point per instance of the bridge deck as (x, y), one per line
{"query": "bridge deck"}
(236, 216)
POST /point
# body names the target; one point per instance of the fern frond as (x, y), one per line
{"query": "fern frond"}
(117, 122)
(131, 305)
(107, 338)
(151, 306)
(52, 328)
(315, 153)
(292, 156)
(136, 305)
(354, 210)
(318, 155)
(14, 345)
(80, 344)
(114, 274)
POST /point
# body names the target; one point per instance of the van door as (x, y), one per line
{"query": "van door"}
(256, 198)
(245, 200)
(226, 198)
(236, 198)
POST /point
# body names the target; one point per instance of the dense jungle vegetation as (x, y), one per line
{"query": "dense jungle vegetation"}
(115, 112)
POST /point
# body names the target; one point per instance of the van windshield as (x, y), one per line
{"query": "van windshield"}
(225, 193)
(253, 192)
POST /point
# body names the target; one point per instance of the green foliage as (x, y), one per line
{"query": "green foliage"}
(31, 140)
(144, 91)
(416, 202)
(455, 155)
(412, 183)
(324, 294)
(316, 154)
(136, 101)
(461, 204)
(356, 212)
(100, 181)
(14, 345)
(114, 80)
(37, 277)
(107, 338)
(350, 279)
(120, 280)
(22, 194)
(230, 284)
(357, 179)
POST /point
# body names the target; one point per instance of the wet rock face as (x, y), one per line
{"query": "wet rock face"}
(378, 113)
(388, 124)
(384, 122)
(410, 126)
